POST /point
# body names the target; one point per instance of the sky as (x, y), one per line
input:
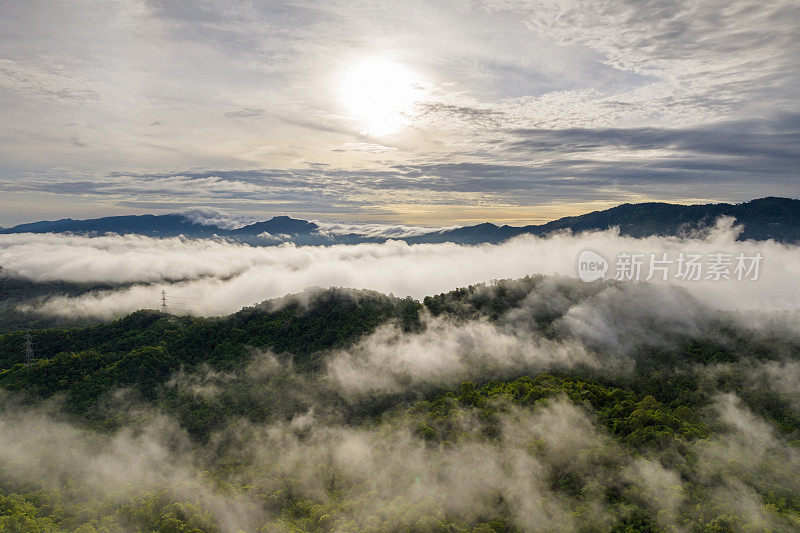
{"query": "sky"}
(429, 113)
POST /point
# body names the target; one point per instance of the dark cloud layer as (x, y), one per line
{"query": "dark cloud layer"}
(528, 166)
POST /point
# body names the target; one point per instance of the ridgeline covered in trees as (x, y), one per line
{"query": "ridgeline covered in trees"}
(290, 415)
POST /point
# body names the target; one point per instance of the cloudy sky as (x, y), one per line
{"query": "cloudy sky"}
(433, 113)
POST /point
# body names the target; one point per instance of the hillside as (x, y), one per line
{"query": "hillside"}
(325, 409)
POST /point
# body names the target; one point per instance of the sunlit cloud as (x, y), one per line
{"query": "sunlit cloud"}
(309, 90)
(212, 277)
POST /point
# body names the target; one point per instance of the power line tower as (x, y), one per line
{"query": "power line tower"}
(29, 356)
(163, 301)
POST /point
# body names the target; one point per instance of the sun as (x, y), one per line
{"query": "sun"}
(380, 94)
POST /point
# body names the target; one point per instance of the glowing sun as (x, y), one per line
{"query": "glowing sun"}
(380, 94)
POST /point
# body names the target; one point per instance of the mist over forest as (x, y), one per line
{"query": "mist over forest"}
(426, 387)
(427, 266)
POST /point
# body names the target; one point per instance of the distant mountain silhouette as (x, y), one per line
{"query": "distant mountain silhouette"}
(764, 218)
(171, 225)
(282, 225)
(150, 225)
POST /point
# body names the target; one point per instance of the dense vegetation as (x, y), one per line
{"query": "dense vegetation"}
(19, 298)
(689, 435)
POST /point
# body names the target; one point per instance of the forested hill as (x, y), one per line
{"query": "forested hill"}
(352, 410)
(764, 218)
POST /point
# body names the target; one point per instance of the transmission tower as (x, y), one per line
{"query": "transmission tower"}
(163, 301)
(28, 348)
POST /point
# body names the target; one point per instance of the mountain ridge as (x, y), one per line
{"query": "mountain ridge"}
(763, 218)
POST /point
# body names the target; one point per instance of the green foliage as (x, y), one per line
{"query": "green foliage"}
(659, 410)
(636, 419)
(15, 291)
(143, 349)
(482, 299)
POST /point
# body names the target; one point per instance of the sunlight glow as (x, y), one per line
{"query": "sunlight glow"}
(380, 94)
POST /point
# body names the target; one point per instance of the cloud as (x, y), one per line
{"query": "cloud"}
(372, 148)
(50, 82)
(621, 319)
(312, 444)
(207, 216)
(446, 354)
(547, 107)
(40, 449)
(386, 474)
(387, 231)
(523, 167)
(215, 276)
(250, 112)
(744, 49)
